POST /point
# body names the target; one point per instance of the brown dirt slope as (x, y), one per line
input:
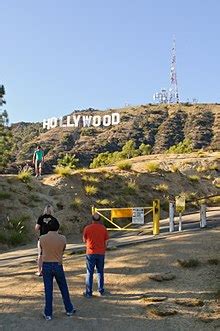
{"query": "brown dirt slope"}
(188, 301)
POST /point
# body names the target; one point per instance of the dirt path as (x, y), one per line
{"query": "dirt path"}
(127, 278)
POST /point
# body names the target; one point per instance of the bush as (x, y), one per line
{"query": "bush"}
(124, 165)
(184, 146)
(152, 166)
(91, 190)
(63, 171)
(145, 149)
(68, 161)
(14, 231)
(128, 151)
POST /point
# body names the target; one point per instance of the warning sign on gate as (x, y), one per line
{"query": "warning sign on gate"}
(138, 216)
(180, 203)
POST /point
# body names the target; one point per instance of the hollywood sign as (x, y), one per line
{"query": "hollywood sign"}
(82, 120)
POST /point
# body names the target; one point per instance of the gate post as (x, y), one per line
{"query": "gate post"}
(203, 216)
(171, 215)
(156, 217)
(180, 221)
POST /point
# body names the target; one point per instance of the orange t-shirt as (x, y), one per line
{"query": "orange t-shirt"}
(95, 236)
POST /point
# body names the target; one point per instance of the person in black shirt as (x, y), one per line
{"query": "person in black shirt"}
(42, 228)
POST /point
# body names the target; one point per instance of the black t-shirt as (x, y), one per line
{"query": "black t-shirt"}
(43, 222)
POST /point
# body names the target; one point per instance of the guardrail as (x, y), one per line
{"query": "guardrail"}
(202, 211)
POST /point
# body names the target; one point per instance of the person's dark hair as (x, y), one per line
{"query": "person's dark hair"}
(96, 217)
(53, 225)
(38, 146)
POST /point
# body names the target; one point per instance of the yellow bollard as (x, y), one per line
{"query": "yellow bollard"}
(156, 217)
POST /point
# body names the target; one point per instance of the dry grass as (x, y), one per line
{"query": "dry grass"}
(124, 165)
(91, 189)
(194, 178)
(77, 203)
(63, 171)
(90, 179)
(152, 166)
(25, 175)
(161, 187)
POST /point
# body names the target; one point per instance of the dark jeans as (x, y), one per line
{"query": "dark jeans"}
(92, 261)
(51, 270)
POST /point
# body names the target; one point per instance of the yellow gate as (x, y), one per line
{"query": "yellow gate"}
(137, 215)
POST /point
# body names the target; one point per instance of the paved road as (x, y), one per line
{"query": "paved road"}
(190, 223)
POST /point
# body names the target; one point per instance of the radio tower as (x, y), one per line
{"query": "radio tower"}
(173, 90)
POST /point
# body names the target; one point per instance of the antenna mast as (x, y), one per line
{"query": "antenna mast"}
(173, 90)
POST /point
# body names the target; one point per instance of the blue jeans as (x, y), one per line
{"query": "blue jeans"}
(92, 261)
(51, 270)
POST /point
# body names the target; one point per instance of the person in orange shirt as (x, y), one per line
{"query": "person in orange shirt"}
(95, 236)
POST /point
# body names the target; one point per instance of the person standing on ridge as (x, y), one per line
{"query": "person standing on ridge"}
(95, 236)
(38, 160)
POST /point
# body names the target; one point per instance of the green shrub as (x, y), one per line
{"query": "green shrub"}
(69, 161)
(124, 165)
(152, 166)
(63, 171)
(145, 149)
(4, 195)
(184, 146)
(129, 151)
(15, 231)
(91, 190)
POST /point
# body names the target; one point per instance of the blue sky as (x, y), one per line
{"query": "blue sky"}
(56, 56)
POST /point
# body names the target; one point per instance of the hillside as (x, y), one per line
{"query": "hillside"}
(196, 175)
(160, 126)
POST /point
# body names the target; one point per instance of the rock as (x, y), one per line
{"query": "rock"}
(148, 298)
(162, 276)
(163, 311)
(156, 277)
(188, 302)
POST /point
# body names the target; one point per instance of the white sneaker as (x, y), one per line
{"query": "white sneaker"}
(47, 318)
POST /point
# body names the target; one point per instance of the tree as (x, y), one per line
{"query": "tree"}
(5, 134)
(128, 150)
